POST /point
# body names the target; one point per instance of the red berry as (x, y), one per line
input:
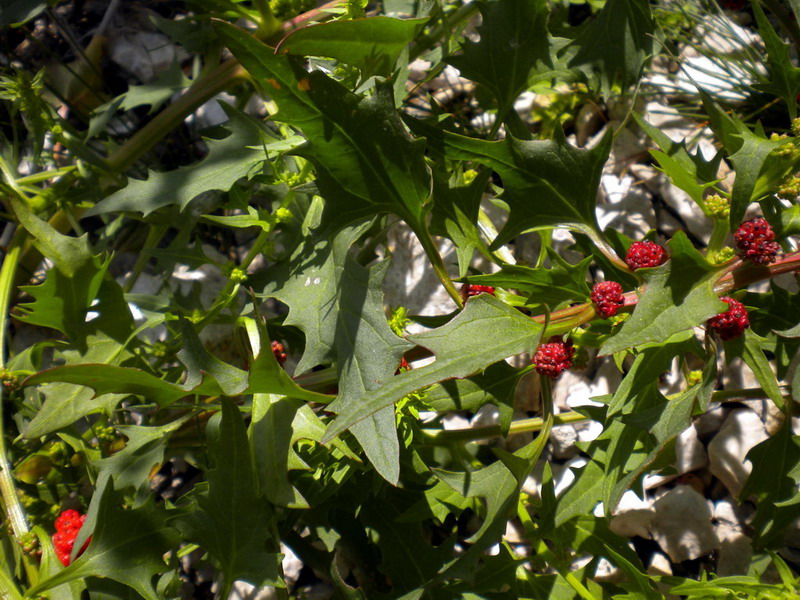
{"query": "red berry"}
(731, 323)
(553, 358)
(755, 238)
(69, 519)
(645, 254)
(404, 366)
(68, 525)
(607, 298)
(279, 351)
(468, 290)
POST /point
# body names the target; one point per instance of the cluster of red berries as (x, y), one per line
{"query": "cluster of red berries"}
(607, 298)
(553, 358)
(280, 352)
(731, 323)
(68, 524)
(468, 290)
(645, 254)
(756, 240)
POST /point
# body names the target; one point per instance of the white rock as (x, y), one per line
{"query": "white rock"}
(682, 526)
(634, 522)
(410, 280)
(627, 208)
(488, 414)
(659, 565)
(562, 441)
(633, 516)
(735, 548)
(741, 431)
(690, 455)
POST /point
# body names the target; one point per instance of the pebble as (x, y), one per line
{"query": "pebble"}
(682, 525)
(742, 430)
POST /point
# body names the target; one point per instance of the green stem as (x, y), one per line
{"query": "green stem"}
(437, 437)
(14, 509)
(432, 252)
(154, 236)
(444, 437)
(718, 237)
(605, 248)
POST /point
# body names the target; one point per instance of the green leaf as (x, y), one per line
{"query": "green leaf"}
(498, 486)
(583, 495)
(77, 297)
(678, 295)
(784, 79)
(144, 449)
(238, 155)
(251, 219)
(368, 354)
(455, 216)
(724, 125)
(616, 45)
(65, 403)
(156, 92)
(373, 45)
(496, 385)
(687, 171)
(229, 520)
(49, 566)
(513, 42)
(650, 363)
(749, 347)
(408, 558)
(759, 169)
(776, 462)
(365, 160)
(560, 283)
(17, 12)
(546, 183)
(200, 363)
(108, 379)
(461, 348)
(277, 423)
(127, 546)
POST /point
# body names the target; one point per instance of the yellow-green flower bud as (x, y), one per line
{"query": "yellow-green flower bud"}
(718, 206)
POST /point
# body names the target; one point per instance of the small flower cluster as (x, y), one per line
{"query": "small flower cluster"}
(789, 189)
(755, 239)
(607, 298)
(553, 358)
(68, 525)
(645, 254)
(718, 206)
(731, 323)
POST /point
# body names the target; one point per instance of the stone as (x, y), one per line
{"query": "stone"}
(562, 441)
(682, 525)
(633, 517)
(742, 430)
(690, 455)
(735, 548)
